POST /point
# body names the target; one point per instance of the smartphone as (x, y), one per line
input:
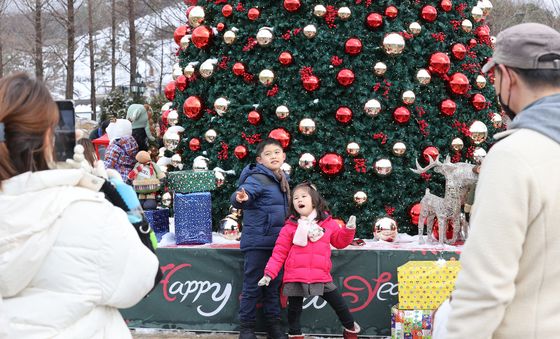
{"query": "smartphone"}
(65, 131)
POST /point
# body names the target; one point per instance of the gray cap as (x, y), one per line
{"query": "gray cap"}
(521, 46)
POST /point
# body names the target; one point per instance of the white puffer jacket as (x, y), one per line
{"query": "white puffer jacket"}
(68, 259)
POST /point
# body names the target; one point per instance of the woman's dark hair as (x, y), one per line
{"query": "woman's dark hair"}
(89, 150)
(29, 115)
(319, 203)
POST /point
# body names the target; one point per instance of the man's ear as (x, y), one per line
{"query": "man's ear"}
(259, 160)
(284, 157)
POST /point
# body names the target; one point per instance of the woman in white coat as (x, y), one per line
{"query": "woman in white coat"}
(68, 258)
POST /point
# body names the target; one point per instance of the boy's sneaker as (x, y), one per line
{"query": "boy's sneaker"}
(247, 331)
(275, 330)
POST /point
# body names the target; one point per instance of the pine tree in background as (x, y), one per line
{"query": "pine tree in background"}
(115, 104)
(357, 92)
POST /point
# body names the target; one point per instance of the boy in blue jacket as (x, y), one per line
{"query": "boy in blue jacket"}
(263, 194)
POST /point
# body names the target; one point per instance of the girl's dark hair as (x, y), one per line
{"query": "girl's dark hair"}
(319, 203)
(89, 150)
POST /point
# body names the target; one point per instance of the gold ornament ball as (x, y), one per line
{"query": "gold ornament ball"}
(221, 106)
(415, 28)
(372, 107)
(466, 25)
(206, 69)
(229, 37)
(408, 97)
(486, 7)
(480, 81)
(266, 77)
(383, 167)
(196, 16)
(264, 36)
(307, 126)
(399, 149)
(423, 76)
(306, 161)
(478, 154)
(497, 120)
(310, 31)
(380, 68)
(319, 10)
(393, 44)
(188, 71)
(477, 14)
(166, 199)
(282, 112)
(360, 198)
(385, 229)
(171, 140)
(344, 13)
(457, 144)
(479, 132)
(210, 135)
(287, 168)
(173, 118)
(185, 40)
(176, 73)
(353, 149)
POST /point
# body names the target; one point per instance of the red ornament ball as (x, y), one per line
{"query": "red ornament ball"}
(164, 117)
(414, 213)
(282, 135)
(374, 20)
(227, 10)
(331, 163)
(220, 26)
(478, 101)
(446, 5)
(238, 69)
(181, 82)
(201, 36)
(430, 152)
(459, 51)
(401, 115)
(343, 115)
(179, 33)
(240, 152)
(292, 5)
(194, 144)
(345, 77)
(253, 14)
(429, 13)
(482, 32)
(448, 107)
(448, 231)
(311, 83)
(353, 46)
(254, 118)
(192, 108)
(391, 12)
(285, 58)
(439, 63)
(459, 83)
(472, 43)
(169, 91)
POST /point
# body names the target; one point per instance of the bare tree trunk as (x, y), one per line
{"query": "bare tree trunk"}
(38, 40)
(113, 44)
(161, 66)
(132, 33)
(71, 46)
(3, 4)
(91, 62)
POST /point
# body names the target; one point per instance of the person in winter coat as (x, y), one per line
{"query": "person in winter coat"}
(263, 195)
(68, 257)
(138, 116)
(121, 152)
(304, 249)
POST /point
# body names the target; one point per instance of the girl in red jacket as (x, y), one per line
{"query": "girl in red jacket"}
(304, 248)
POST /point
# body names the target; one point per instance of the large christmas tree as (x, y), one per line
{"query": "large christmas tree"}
(357, 92)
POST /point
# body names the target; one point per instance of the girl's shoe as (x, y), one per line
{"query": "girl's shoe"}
(353, 333)
(296, 336)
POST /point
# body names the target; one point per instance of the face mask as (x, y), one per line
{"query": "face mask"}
(507, 110)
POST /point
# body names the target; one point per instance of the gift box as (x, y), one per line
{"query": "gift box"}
(424, 285)
(191, 181)
(159, 221)
(193, 218)
(411, 324)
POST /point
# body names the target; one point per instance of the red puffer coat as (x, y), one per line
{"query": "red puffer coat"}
(309, 264)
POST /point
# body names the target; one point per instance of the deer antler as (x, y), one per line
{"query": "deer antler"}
(433, 163)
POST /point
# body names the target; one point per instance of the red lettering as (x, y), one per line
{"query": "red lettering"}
(165, 281)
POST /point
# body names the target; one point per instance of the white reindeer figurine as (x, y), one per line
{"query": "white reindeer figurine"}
(459, 177)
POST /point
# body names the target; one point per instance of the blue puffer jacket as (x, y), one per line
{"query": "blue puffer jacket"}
(265, 211)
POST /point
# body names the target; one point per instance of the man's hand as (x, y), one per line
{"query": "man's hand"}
(241, 196)
(264, 281)
(351, 224)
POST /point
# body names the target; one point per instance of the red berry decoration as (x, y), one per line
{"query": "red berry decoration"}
(414, 213)
(345, 77)
(253, 14)
(343, 115)
(169, 91)
(240, 152)
(311, 83)
(238, 69)
(285, 58)
(192, 108)
(448, 107)
(459, 83)
(430, 152)
(478, 101)
(429, 13)
(391, 12)
(439, 63)
(401, 115)
(201, 36)
(179, 33)
(292, 5)
(181, 82)
(353, 46)
(194, 144)
(331, 164)
(459, 51)
(227, 10)
(446, 5)
(282, 135)
(254, 118)
(374, 20)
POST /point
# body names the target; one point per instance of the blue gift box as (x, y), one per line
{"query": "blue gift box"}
(193, 218)
(159, 221)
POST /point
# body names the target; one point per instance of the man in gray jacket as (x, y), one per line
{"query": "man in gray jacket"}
(508, 287)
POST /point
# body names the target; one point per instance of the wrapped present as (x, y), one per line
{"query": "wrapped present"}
(159, 221)
(411, 324)
(191, 181)
(193, 218)
(424, 285)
